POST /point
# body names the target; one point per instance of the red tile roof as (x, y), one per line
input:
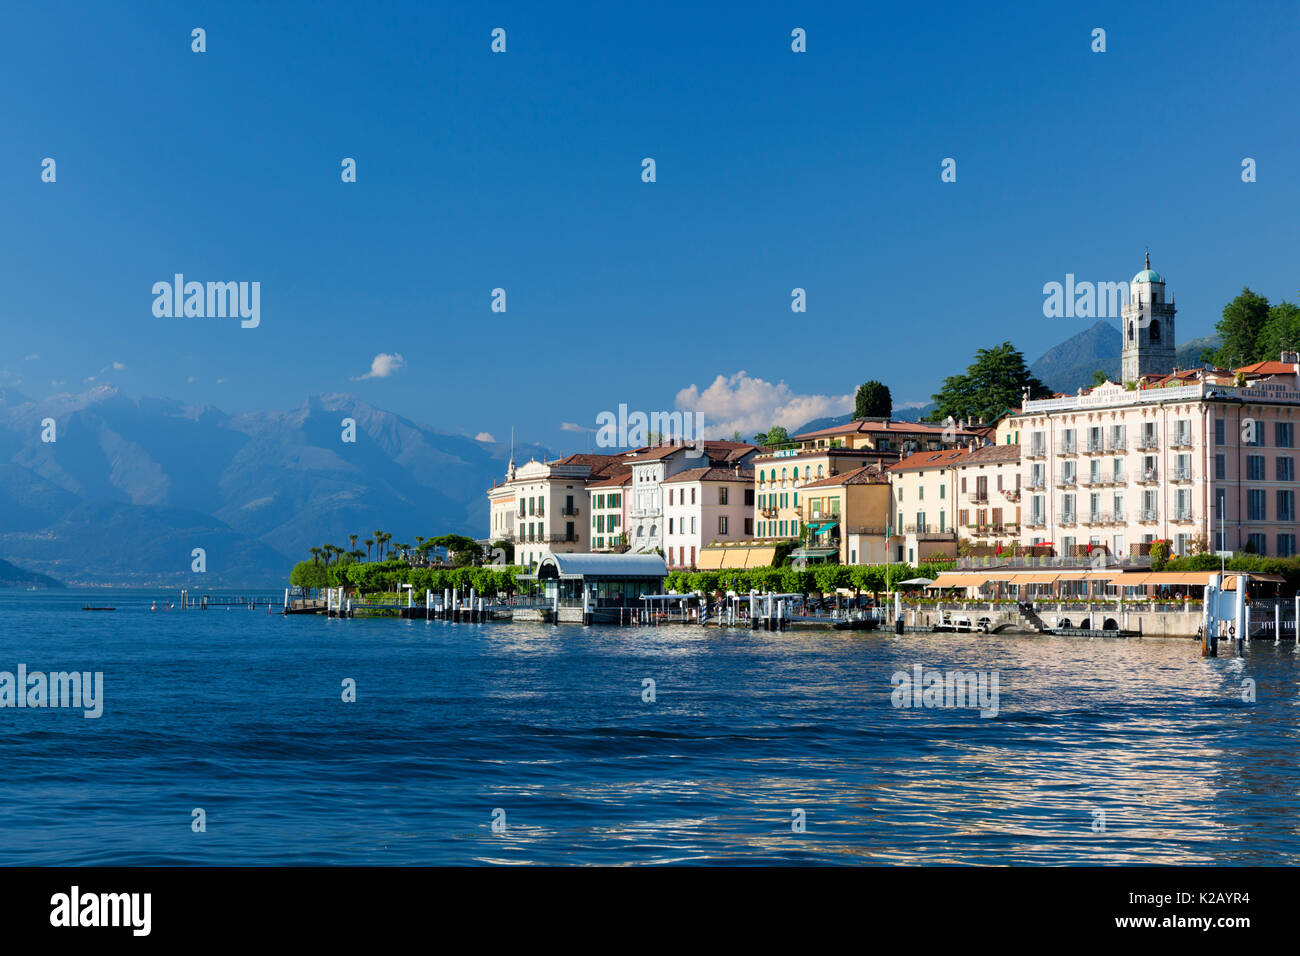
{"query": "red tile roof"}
(716, 450)
(602, 466)
(931, 459)
(711, 474)
(992, 455)
(868, 426)
(1273, 367)
(868, 475)
(613, 482)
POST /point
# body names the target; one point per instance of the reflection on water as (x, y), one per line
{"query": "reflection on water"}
(1102, 751)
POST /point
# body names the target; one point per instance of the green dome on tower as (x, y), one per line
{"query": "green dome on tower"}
(1148, 274)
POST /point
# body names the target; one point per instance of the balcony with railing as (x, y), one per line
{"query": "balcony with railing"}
(1148, 441)
(1094, 445)
(1037, 451)
(1181, 440)
(972, 562)
(1065, 481)
(1068, 448)
(1098, 481)
(569, 511)
(1011, 494)
(1035, 521)
(1036, 482)
(1067, 517)
(1098, 517)
(990, 529)
(1181, 474)
(873, 530)
(929, 531)
(1117, 444)
(980, 497)
(1148, 514)
(1183, 514)
(1149, 476)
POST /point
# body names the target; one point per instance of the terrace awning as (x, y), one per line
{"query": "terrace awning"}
(1177, 577)
(1023, 579)
(951, 580)
(735, 556)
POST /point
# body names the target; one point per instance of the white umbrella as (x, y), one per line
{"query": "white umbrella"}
(924, 581)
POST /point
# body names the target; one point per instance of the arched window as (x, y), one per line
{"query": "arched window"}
(783, 473)
(819, 471)
(1155, 330)
(1131, 327)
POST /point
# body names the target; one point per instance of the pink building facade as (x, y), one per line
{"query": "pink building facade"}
(1206, 460)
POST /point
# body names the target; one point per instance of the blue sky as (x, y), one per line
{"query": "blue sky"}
(522, 170)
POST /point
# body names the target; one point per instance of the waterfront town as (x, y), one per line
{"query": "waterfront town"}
(1069, 495)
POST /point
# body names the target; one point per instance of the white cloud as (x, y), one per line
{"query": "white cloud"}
(115, 367)
(191, 380)
(484, 436)
(574, 427)
(383, 365)
(751, 405)
(31, 358)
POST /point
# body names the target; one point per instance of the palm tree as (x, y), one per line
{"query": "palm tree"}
(352, 541)
(356, 554)
(315, 555)
(368, 542)
(379, 537)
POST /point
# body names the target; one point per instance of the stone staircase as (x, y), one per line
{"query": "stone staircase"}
(1029, 617)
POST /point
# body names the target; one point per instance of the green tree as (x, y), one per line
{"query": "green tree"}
(508, 547)
(309, 575)
(776, 435)
(1280, 333)
(1099, 377)
(1239, 329)
(873, 401)
(991, 384)
(464, 550)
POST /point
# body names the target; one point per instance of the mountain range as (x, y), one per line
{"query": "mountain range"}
(1070, 366)
(130, 487)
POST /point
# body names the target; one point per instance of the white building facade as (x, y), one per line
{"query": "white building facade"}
(703, 506)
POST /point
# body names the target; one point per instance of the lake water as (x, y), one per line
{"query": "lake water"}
(240, 713)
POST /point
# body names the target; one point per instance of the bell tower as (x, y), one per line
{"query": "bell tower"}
(1148, 328)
